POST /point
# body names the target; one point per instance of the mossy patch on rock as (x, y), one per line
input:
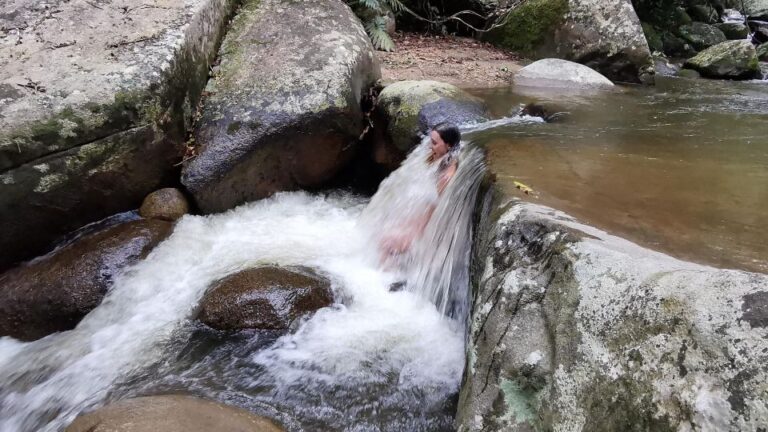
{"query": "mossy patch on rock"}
(732, 59)
(530, 25)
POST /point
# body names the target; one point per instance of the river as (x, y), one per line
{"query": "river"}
(681, 167)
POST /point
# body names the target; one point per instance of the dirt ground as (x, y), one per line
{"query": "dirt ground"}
(460, 61)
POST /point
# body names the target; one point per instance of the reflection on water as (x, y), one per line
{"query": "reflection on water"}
(681, 168)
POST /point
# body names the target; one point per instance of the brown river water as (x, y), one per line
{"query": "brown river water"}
(681, 167)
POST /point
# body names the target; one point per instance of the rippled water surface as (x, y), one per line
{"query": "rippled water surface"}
(681, 168)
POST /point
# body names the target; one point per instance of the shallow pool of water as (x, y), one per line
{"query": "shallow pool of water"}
(681, 167)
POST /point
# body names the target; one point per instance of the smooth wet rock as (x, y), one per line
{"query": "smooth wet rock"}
(759, 30)
(560, 73)
(733, 30)
(664, 67)
(573, 329)
(171, 413)
(407, 110)
(283, 110)
(605, 35)
(701, 36)
(732, 60)
(52, 293)
(688, 73)
(94, 100)
(265, 298)
(167, 204)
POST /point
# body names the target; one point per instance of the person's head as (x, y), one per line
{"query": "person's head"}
(444, 137)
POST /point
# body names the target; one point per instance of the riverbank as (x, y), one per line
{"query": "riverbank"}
(463, 62)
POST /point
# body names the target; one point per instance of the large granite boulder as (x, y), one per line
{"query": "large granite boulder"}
(283, 109)
(576, 330)
(732, 60)
(171, 413)
(605, 35)
(95, 98)
(265, 298)
(757, 9)
(560, 73)
(54, 292)
(406, 110)
(701, 36)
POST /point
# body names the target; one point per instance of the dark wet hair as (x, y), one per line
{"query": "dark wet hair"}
(449, 133)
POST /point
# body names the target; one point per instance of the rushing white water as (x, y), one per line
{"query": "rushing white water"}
(373, 339)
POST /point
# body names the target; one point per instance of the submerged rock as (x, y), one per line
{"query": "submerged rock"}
(93, 106)
(283, 110)
(732, 59)
(266, 298)
(701, 36)
(576, 330)
(560, 73)
(167, 204)
(171, 413)
(53, 293)
(605, 35)
(406, 110)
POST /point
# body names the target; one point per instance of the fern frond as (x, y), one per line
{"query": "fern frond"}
(376, 29)
(370, 4)
(394, 5)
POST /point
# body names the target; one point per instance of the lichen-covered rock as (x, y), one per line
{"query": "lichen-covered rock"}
(266, 298)
(605, 35)
(757, 9)
(732, 59)
(171, 413)
(762, 52)
(54, 292)
(560, 73)
(283, 110)
(701, 36)
(733, 30)
(94, 100)
(576, 330)
(167, 204)
(406, 110)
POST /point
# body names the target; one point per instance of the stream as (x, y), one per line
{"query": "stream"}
(681, 167)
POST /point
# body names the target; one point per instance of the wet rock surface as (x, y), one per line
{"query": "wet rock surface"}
(560, 73)
(283, 110)
(701, 36)
(52, 293)
(266, 298)
(407, 110)
(171, 413)
(167, 204)
(574, 329)
(94, 100)
(732, 59)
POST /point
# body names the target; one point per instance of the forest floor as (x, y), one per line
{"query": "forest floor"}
(464, 62)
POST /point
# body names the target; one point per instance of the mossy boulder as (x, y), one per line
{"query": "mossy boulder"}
(264, 298)
(701, 36)
(573, 329)
(54, 292)
(171, 413)
(283, 110)
(762, 52)
(675, 46)
(733, 30)
(406, 110)
(732, 60)
(757, 9)
(93, 110)
(605, 35)
(703, 13)
(655, 43)
(167, 204)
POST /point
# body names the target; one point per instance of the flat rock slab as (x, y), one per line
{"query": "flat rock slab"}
(90, 89)
(560, 73)
(283, 109)
(731, 60)
(574, 329)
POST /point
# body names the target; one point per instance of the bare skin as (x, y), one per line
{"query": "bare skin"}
(401, 242)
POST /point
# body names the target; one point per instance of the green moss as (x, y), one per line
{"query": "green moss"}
(234, 127)
(652, 36)
(519, 402)
(529, 25)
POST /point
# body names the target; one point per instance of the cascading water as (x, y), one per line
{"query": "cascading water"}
(378, 360)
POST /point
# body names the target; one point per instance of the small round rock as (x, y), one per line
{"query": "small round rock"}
(167, 204)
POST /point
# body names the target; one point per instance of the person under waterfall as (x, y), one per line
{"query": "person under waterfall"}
(444, 145)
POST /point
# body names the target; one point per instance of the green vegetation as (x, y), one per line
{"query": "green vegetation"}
(373, 14)
(529, 24)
